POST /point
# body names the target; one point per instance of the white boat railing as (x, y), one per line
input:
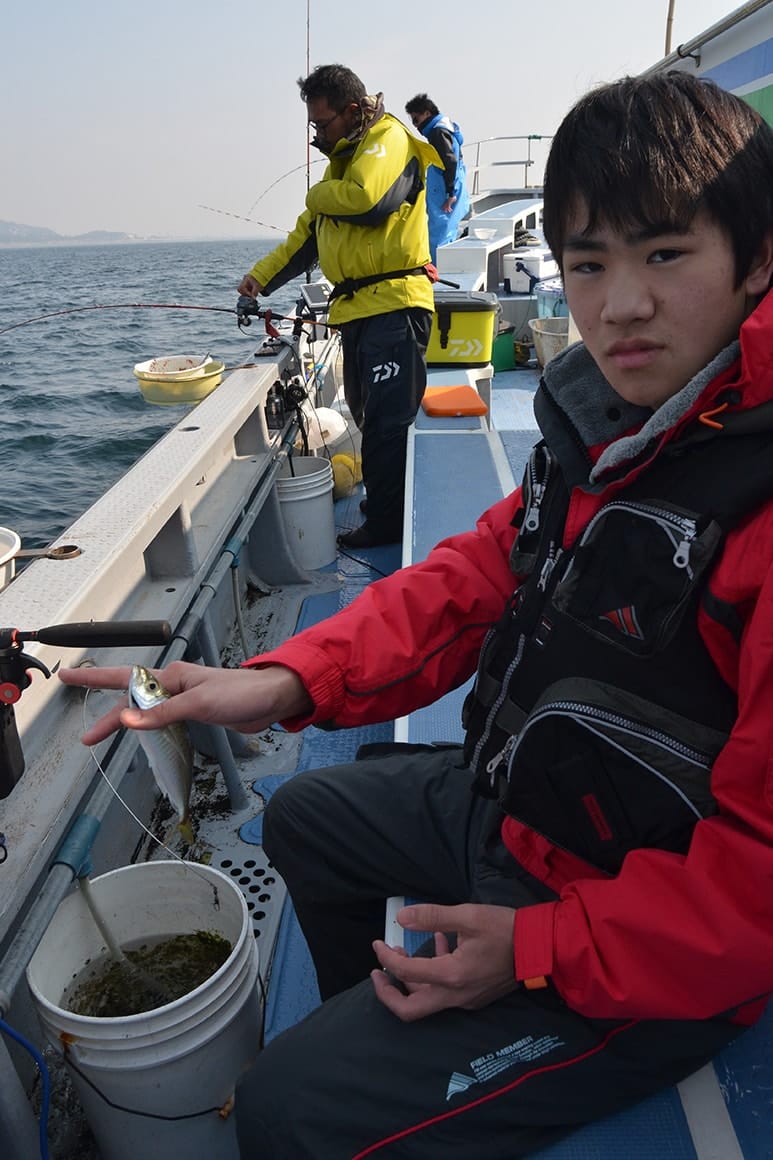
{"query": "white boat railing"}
(483, 160)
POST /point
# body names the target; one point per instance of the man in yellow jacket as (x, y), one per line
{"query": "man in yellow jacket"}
(365, 223)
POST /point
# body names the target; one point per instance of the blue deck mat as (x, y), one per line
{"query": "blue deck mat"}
(456, 477)
(321, 747)
(518, 445)
(745, 1073)
(293, 992)
(655, 1129)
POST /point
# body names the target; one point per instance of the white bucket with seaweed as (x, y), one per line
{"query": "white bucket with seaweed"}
(155, 1068)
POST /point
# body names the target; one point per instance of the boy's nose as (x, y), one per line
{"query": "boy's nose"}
(627, 299)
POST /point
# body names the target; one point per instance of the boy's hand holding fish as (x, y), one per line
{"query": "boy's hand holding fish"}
(244, 699)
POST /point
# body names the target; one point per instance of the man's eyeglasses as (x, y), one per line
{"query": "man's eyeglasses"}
(320, 126)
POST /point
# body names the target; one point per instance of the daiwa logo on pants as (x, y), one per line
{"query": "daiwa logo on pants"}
(385, 371)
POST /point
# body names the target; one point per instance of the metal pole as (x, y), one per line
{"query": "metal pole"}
(237, 797)
(669, 26)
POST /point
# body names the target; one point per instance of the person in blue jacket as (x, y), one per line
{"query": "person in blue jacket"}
(447, 198)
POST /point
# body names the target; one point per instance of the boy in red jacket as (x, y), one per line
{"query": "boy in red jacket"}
(594, 929)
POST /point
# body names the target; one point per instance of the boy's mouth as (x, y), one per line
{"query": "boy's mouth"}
(632, 353)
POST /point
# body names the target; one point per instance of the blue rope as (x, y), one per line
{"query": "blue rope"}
(45, 1080)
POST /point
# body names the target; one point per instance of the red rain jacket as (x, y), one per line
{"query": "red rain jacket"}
(671, 936)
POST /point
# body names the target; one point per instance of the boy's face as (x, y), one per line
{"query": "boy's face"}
(654, 309)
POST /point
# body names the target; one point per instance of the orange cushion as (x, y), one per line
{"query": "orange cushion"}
(455, 400)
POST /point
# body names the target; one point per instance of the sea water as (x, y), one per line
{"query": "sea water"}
(73, 417)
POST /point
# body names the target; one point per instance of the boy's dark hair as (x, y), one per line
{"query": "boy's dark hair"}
(649, 152)
(338, 85)
(421, 104)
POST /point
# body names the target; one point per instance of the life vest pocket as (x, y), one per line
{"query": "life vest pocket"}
(633, 573)
(601, 772)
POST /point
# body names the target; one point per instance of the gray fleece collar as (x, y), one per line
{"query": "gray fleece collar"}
(597, 415)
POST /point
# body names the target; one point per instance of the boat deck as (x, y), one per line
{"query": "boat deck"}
(723, 1112)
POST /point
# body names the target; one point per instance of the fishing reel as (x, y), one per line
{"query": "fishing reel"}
(16, 667)
(246, 309)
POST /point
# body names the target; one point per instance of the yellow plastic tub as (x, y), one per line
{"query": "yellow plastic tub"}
(177, 379)
(463, 328)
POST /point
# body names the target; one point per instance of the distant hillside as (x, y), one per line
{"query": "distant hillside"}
(14, 233)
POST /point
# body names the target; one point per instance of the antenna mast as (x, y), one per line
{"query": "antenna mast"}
(669, 26)
(308, 70)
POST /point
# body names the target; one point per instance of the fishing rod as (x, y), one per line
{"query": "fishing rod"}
(241, 311)
(296, 169)
(117, 306)
(15, 666)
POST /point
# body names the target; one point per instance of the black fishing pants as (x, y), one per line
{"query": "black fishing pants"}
(351, 1080)
(384, 380)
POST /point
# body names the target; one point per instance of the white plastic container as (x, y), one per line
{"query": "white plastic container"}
(551, 335)
(169, 368)
(10, 544)
(539, 262)
(325, 427)
(551, 302)
(305, 491)
(166, 1073)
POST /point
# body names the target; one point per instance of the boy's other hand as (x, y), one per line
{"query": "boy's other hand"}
(475, 973)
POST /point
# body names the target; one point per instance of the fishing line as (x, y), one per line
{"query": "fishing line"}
(367, 564)
(120, 306)
(189, 866)
(241, 217)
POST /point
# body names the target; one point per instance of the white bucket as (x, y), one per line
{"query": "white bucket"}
(306, 500)
(145, 1080)
(9, 546)
(551, 335)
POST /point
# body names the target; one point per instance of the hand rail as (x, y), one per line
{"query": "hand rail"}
(527, 162)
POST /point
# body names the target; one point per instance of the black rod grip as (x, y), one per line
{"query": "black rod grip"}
(103, 633)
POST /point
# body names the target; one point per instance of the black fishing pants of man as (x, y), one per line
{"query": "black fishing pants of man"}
(351, 1080)
(384, 380)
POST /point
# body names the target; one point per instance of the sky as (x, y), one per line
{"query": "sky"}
(132, 115)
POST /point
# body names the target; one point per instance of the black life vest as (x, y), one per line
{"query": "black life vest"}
(597, 712)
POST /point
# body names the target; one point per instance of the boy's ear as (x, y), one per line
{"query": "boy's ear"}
(758, 279)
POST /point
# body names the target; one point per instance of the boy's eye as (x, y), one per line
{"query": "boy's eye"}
(665, 255)
(588, 267)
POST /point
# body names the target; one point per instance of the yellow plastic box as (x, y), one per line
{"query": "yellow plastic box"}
(463, 328)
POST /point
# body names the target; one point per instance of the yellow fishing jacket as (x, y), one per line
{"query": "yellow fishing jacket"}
(366, 216)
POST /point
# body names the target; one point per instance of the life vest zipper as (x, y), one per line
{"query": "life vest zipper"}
(492, 713)
(668, 520)
(537, 488)
(585, 714)
(552, 558)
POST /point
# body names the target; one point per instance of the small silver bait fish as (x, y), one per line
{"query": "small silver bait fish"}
(168, 750)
